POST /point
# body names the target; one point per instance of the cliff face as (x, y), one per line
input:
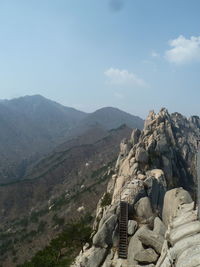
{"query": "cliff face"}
(156, 160)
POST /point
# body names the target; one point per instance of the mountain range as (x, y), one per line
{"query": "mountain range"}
(33, 126)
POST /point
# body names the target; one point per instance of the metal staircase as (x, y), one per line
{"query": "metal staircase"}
(123, 228)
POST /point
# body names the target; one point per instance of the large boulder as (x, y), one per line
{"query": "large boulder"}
(104, 237)
(188, 229)
(159, 227)
(190, 257)
(155, 185)
(107, 213)
(135, 136)
(137, 254)
(96, 257)
(141, 155)
(132, 227)
(91, 257)
(151, 239)
(173, 198)
(146, 256)
(143, 208)
(135, 246)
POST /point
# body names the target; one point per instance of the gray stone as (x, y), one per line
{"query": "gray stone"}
(134, 168)
(95, 259)
(135, 136)
(132, 227)
(188, 229)
(124, 147)
(162, 144)
(108, 212)
(103, 238)
(190, 257)
(135, 246)
(184, 244)
(187, 217)
(173, 198)
(167, 167)
(156, 186)
(163, 256)
(159, 227)
(141, 155)
(108, 260)
(151, 239)
(115, 236)
(146, 256)
(143, 208)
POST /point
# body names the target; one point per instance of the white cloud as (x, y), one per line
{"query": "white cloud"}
(184, 50)
(124, 78)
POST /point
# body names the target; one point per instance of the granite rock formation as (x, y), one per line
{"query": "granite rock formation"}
(155, 174)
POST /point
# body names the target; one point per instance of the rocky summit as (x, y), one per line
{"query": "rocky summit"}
(151, 218)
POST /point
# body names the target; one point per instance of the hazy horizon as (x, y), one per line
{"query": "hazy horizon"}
(133, 55)
(101, 107)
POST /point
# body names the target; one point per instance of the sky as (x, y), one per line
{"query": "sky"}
(137, 55)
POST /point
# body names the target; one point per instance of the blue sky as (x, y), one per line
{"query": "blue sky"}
(136, 55)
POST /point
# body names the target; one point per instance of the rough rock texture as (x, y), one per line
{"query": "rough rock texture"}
(151, 239)
(103, 238)
(146, 256)
(182, 245)
(91, 257)
(135, 245)
(159, 158)
(155, 185)
(135, 136)
(173, 199)
(132, 227)
(141, 155)
(143, 208)
(159, 227)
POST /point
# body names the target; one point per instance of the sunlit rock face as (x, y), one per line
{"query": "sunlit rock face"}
(160, 158)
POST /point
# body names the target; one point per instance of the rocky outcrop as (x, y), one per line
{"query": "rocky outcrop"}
(173, 199)
(182, 244)
(159, 158)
